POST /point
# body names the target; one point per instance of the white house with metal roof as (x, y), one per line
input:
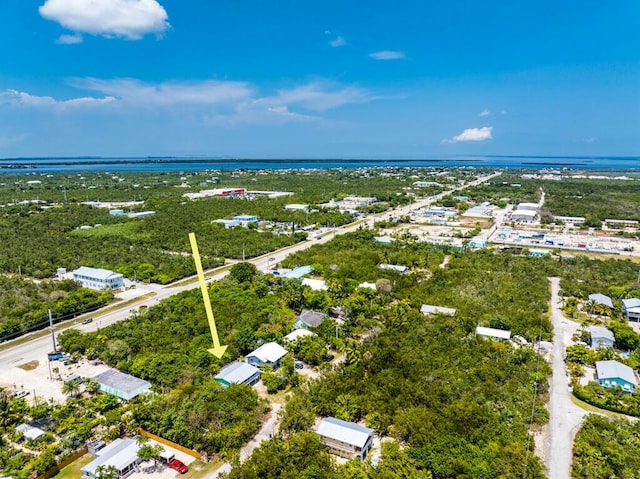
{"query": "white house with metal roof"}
(296, 334)
(97, 278)
(601, 337)
(430, 309)
(493, 333)
(394, 267)
(268, 353)
(631, 308)
(30, 432)
(315, 284)
(121, 454)
(612, 374)
(345, 439)
(602, 299)
(238, 373)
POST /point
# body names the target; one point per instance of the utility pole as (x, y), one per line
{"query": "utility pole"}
(53, 336)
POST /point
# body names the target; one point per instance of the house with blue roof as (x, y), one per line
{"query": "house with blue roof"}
(611, 374)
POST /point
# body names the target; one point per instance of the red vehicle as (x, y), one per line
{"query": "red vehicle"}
(177, 465)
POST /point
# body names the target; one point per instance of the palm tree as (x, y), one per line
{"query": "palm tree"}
(7, 414)
(71, 388)
(107, 472)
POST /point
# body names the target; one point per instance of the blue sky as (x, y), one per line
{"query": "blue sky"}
(331, 78)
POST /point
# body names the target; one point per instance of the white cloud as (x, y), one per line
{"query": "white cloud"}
(18, 98)
(472, 134)
(485, 112)
(319, 96)
(132, 91)
(218, 102)
(131, 19)
(70, 39)
(338, 42)
(387, 55)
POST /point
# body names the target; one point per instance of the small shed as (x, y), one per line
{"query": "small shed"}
(612, 374)
(238, 373)
(601, 337)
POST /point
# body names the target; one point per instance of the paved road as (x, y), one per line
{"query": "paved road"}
(564, 416)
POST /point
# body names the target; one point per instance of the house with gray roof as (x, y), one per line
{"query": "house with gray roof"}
(612, 374)
(601, 337)
(631, 309)
(309, 319)
(601, 299)
(238, 373)
(345, 439)
(123, 385)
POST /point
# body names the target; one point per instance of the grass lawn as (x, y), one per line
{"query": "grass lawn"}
(73, 470)
(127, 230)
(200, 470)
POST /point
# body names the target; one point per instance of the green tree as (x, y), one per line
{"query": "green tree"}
(243, 272)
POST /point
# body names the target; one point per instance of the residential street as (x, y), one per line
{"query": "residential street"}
(565, 417)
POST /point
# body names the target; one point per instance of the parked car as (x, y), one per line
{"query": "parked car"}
(21, 394)
(178, 466)
(87, 320)
(299, 365)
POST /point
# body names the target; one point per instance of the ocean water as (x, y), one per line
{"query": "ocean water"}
(88, 164)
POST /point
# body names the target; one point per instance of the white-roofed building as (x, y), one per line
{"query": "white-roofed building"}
(601, 299)
(297, 334)
(97, 278)
(238, 373)
(345, 439)
(570, 220)
(121, 454)
(394, 267)
(296, 207)
(315, 284)
(528, 206)
(268, 353)
(631, 308)
(601, 337)
(493, 333)
(615, 374)
(30, 432)
(430, 309)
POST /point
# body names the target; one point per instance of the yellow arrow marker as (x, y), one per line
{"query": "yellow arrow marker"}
(217, 350)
